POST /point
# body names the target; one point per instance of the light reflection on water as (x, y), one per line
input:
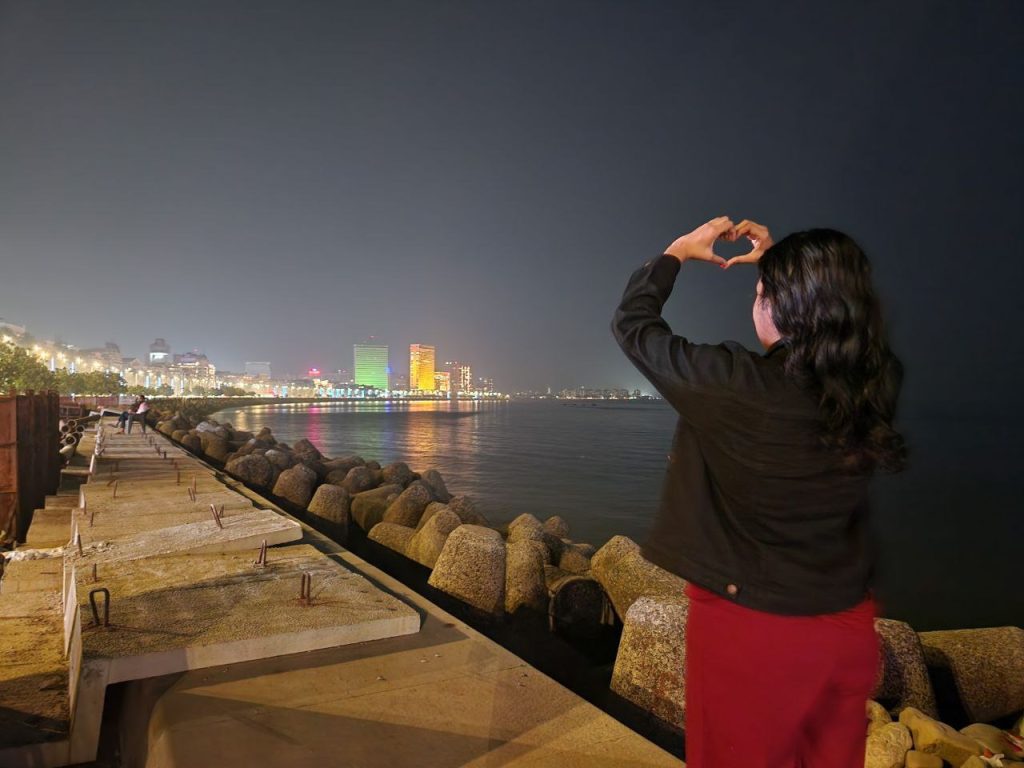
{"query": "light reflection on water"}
(599, 466)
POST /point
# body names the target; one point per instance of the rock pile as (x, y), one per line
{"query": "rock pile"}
(532, 565)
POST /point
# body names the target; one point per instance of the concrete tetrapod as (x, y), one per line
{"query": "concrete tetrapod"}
(903, 677)
(651, 661)
(368, 507)
(524, 578)
(987, 666)
(629, 576)
(332, 504)
(471, 567)
(427, 543)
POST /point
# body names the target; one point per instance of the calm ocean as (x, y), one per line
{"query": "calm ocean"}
(599, 465)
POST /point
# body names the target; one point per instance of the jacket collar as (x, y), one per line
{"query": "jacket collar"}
(778, 346)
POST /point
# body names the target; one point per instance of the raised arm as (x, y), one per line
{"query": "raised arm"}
(681, 371)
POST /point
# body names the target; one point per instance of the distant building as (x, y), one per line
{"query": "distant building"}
(159, 352)
(485, 384)
(442, 381)
(191, 371)
(371, 365)
(259, 370)
(460, 376)
(400, 383)
(421, 367)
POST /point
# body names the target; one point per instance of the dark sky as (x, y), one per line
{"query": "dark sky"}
(279, 180)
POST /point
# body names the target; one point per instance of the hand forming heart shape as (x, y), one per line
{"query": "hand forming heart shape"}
(699, 244)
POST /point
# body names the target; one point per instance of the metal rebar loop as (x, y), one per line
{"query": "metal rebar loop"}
(106, 606)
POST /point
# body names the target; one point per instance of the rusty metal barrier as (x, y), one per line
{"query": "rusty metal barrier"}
(29, 459)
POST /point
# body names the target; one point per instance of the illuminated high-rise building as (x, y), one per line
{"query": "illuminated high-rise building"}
(461, 375)
(421, 367)
(442, 381)
(371, 365)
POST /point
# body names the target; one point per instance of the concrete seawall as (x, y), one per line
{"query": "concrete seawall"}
(264, 666)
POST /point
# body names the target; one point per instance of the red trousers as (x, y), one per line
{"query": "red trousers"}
(771, 691)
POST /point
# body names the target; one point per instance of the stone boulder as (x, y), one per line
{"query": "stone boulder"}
(936, 738)
(627, 576)
(471, 567)
(358, 479)
(207, 425)
(177, 434)
(614, 550)
(408, 507)
(214, 446)
(877, 716)
(986, 665)
(981, 762)
(575, 558)
(245, 448)
(296, 485)
(252, 469)
(902, 676)
(526, 527)
(432, 509)
(887, 746)
(368, 507)
(343, 464)
(540, 549)
(281, 459)
(306, 450)
(333, 505)
(395, 537)
(266, 438)
(428, 541)
(464, 507)
(373, 464)
(191, 442)
(995, 739)
(436, 484)
(651, 661)
(525, 587)
(556, 526)
(917, 759)
(398, 473)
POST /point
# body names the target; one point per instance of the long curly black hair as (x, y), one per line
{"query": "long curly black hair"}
(818, 285)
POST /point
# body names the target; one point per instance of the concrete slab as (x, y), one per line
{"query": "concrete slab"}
(445, 697)
(34, 705)
(241, 531)
(178, 612)
(50, 527)
(32, 576)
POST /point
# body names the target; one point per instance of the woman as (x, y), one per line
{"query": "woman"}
(765, 501)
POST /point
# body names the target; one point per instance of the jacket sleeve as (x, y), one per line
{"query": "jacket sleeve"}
(685, 374)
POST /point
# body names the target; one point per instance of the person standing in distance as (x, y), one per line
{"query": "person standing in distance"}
(764, 508)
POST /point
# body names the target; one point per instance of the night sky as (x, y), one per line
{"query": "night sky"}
(275, 181)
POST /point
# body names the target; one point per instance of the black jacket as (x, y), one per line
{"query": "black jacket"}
(753, 507)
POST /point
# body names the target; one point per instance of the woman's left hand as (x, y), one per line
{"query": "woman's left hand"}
(699, 243)
(758, 236)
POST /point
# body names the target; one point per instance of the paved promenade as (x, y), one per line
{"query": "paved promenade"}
(313, 658)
